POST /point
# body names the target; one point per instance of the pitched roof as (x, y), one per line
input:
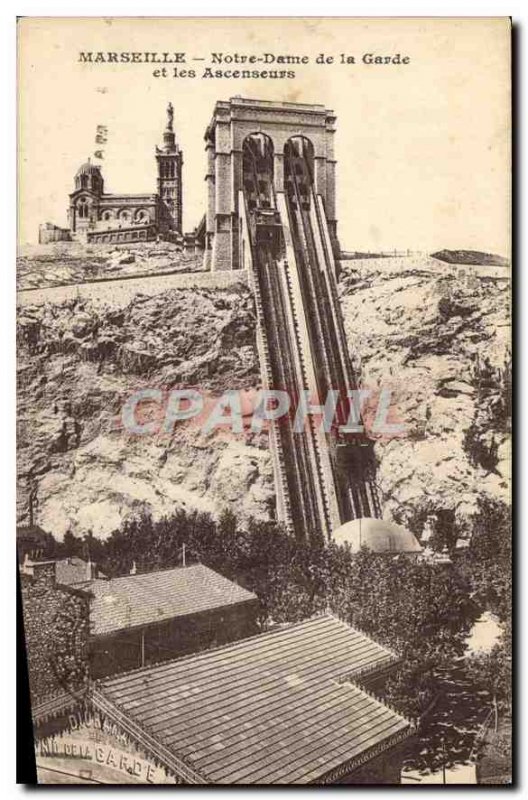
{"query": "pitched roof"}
(74, 570)
(156, 596)
(277, 708)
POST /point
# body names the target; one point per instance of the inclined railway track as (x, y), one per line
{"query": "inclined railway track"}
(324, 477)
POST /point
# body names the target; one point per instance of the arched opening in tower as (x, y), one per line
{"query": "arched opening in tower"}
(299, 170)
(257, 171)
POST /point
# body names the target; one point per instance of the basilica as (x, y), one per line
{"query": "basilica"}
(97, 217)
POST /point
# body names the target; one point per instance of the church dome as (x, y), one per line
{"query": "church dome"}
(88, 169)
(89, 177)
(377, 535)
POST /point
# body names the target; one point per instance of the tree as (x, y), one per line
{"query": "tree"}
(68, 646)
(493, 671)
(493, 402)
(487, 562)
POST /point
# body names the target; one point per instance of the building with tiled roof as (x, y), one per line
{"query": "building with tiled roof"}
(283, 707)
(146, 618)
(278, 708)
(134, 601)
(141, 619)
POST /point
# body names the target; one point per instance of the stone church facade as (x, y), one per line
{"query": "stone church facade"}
(97, 217)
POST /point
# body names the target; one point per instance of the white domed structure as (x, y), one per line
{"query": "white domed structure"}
(378, 536)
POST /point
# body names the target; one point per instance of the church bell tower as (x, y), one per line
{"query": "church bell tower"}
(170, 160)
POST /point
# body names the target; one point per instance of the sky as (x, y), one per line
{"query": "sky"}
(423, 148)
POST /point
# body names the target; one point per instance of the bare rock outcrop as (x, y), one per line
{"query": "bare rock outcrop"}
(437, 339)
(79, 363)
(426, 334)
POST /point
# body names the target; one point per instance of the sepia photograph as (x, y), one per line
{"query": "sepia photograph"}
(264, 399)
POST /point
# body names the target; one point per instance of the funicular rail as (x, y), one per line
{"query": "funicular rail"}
(320, 227)
(322, 477)
(268, 383)
(356, 497)
(283, 370)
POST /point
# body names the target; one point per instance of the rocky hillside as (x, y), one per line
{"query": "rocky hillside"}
(430, 334)
(414, 326)
(78, 364)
